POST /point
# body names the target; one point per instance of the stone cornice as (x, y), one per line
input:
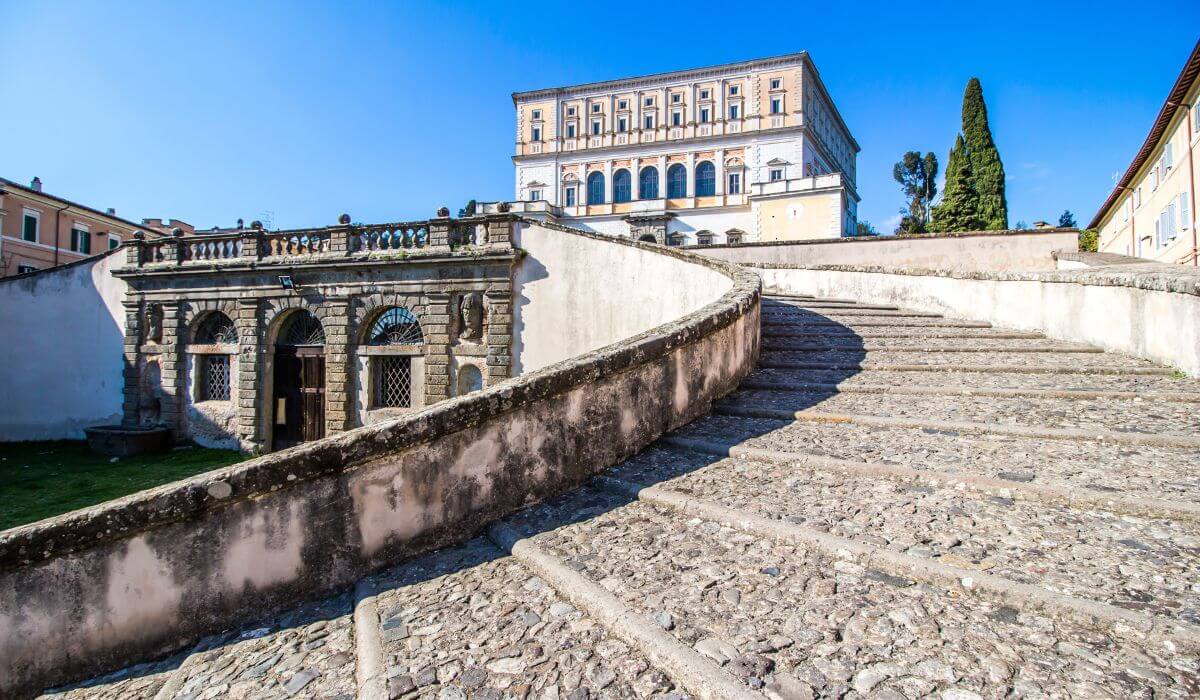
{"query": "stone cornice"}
(654, 79)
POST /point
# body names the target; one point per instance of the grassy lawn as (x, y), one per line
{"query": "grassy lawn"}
(42, 479)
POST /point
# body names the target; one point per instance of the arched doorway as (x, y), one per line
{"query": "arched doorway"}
(299, 381)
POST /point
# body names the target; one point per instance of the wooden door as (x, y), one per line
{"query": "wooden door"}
(298, 403)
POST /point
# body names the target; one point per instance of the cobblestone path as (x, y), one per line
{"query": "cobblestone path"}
(895, 505)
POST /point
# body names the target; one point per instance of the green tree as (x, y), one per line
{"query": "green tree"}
(1067, 220)
(917, 176)
(864, 228)
(986, 168)
(959, 208)
(468, 210)
(1089, 240)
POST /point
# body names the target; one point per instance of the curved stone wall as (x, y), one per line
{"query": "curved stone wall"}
(1151, 311)
(130, 579)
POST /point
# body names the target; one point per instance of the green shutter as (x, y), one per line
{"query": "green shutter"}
(30, 233)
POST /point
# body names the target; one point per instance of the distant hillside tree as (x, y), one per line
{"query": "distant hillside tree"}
(864, 228)
(1067, 220)
(1020, 226)
(917, 176)
(987, 170)
(959, 208)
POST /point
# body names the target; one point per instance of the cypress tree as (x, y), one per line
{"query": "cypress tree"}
(959, 208)
(986, 168)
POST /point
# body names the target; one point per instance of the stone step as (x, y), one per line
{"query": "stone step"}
(791, 617)
(893, 358)
(825, 390)
(306, 652)
(1142, 470)
(1160, 382)
(771, 305)
(834, 335)
(1073, 551)
(848, 324)
(1039, 430)
(913, 344)
(834, 314)
(1082, 414)
(471, 620)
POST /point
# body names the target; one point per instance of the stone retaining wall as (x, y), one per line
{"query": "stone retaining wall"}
(976, 250)
(1151, 311)
(98, 588)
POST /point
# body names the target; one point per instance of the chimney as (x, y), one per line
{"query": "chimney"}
(110, 211)
(36, 185)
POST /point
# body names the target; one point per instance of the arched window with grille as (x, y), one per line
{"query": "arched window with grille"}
(706, 179)
(648, 183)
(676, 181)
(213, 347)
(622, 186)
(595, 188)
(395, 346)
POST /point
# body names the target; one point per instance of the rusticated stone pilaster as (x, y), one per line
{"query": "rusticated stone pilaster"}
(132, 372)
(173, 366)
(339, 411)
(250, 363)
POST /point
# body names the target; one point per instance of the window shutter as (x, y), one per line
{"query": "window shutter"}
(1185, 216)
(1170, 230)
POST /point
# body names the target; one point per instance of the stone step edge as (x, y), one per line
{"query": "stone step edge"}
(815, 305)
(1042, 432)
(684, 664)
(949, 390)
(840, 312)
(867, 347)
(1084, 611)
(370, 667)
(825, 336)
(984, 369)
(875, 324)
(1069, 496)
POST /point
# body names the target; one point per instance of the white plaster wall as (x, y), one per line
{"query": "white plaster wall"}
(790, 149)
(61, 351)
(565, 298)
(1156, 325)
(543, 173)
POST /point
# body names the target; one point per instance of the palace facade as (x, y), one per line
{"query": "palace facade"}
(750, 151)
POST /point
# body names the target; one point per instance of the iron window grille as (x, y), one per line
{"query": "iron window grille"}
(216, 328)
(216, 378)
(396, 326)
(393, 387)
(303, 329)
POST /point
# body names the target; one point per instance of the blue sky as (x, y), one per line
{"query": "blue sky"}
(299, 111)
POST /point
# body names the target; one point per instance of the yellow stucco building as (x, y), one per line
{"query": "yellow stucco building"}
(1152, 211)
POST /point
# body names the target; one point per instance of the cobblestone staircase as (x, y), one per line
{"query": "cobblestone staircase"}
(895, 505)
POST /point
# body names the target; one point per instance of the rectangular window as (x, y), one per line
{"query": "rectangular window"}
(649, 102)
(597, 126)
(595, 109)
(776, 174)
(114, 241)
(569, 197)
(623, 104)
(393, 384)
(776, 105)
(735, 111)
(776, 83)
(570, 111)
(570, 131)
(25, 269)
(704, 115)
(648, 122)
(31, 224)
(537, 114)
(216, 378)
(537, 134)
(735, 184)
(623, 124)
(704, 94)
(81, 241)
(535, 195)
(677, 98)
(676, 118)
(734, 89)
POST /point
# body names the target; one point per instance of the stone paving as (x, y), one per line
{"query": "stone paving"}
(791, 618)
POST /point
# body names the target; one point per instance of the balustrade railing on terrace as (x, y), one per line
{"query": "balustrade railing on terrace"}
(343, 240)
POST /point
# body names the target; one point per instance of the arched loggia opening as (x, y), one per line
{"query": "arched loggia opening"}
(298, 405)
